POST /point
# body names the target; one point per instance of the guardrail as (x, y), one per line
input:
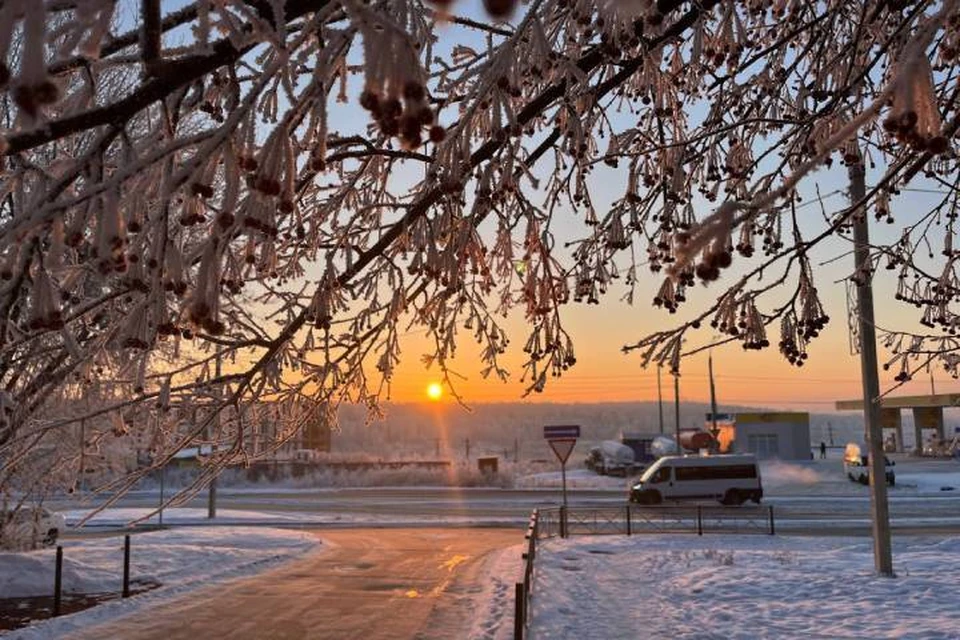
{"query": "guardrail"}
(632, 519)
(523, 588)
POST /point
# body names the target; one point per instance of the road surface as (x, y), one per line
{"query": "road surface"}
(374, 584)
(446, 506)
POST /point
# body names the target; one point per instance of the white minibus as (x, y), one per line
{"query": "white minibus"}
(730, 479)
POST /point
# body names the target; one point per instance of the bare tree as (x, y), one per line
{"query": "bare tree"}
(233, 200)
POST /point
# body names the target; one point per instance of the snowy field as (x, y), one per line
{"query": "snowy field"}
(122, 517)
(179, 559)
(180, 516)
(746, 587)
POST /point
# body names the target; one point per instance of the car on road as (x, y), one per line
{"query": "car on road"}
(856, 464)
(30, 527)
(729, 479)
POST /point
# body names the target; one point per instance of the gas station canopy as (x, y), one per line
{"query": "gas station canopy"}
(927, 414)
(905, 402)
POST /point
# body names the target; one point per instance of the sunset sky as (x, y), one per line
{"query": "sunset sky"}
(758, 378)
(604, 373)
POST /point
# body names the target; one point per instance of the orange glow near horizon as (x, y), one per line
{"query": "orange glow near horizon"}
(761, 379)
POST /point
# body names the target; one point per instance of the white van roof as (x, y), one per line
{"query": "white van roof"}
(709, 461)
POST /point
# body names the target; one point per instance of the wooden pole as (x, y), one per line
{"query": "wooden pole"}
(713, 404)
(660, 399)
(676, 412)
(879, 508)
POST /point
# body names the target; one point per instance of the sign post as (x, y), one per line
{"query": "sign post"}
(562, 439)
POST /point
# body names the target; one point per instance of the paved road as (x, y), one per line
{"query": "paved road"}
(441, 506)
(373, 584)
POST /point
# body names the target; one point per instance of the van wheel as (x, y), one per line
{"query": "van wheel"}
(733, 498)
(650, 497)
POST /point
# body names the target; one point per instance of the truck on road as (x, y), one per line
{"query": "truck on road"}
(611, 458)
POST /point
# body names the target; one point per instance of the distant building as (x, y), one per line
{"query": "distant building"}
(783, 435)
(269, 433)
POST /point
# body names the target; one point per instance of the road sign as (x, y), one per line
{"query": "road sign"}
(562, 439)
(562, 447)
(561, 432)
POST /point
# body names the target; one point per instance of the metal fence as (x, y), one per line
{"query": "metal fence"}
(524, 588)
(58, 576)
(628, 520)
(633, 519)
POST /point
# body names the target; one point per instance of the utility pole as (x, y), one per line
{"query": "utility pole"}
(676, 411)
(879, 508)
(83, 451)
(516, 450)
(466, 445)
(212, 492)
(713, 403)
(830, 432)
(660, 398)
(163, 470)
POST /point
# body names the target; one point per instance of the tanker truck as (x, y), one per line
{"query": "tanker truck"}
(695, 440)
(611, 458)
(690, 440)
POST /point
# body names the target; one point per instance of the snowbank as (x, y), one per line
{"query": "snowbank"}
(26, 574)
(576, 479)
(187, 516)
(742, 587)
(493, 608)
(179, 559)
(122, 516)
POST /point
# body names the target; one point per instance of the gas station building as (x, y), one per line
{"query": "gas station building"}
(927, 415)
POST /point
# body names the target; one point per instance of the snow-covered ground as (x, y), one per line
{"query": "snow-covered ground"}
(179, 559)
(493, 607)
(122, 517)
(181, 516)
(576, 479)
(743, 587)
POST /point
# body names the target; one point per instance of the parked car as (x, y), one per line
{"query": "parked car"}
(30, 527)
(856, 464)
(729, 479)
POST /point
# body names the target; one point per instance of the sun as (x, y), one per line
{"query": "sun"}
(434, 390)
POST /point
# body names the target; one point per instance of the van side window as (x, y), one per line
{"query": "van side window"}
(662, 475)
(730, 472)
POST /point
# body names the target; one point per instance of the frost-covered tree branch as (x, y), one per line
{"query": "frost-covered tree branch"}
(194, 210)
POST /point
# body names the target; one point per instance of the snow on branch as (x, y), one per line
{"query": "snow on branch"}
(232, 214)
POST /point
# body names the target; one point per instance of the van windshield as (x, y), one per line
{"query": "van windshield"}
(652, 469)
